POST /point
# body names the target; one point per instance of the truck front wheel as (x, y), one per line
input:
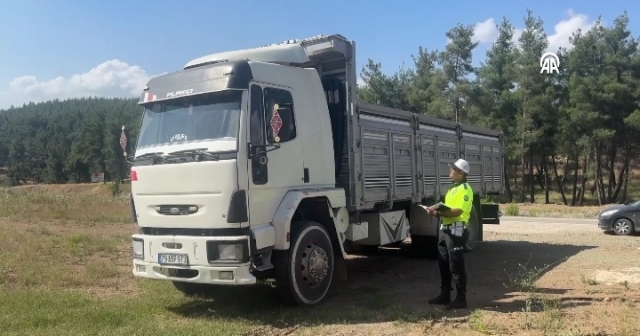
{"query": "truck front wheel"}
(304, 273)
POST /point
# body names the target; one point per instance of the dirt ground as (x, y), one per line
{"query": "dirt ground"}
(529, 277)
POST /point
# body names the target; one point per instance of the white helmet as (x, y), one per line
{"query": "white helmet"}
(462, 165)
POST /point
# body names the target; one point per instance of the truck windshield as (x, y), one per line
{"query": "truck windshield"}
(212, 116)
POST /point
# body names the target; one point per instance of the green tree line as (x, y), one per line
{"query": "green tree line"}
(576, 132)
(65, 141)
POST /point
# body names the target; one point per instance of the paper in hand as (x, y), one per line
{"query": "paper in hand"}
(439, 206)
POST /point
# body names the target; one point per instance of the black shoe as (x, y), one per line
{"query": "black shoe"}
(442, 299)
(461, 300)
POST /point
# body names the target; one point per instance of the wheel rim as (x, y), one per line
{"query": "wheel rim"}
(314, 264)
(311, 265)
(622, 226)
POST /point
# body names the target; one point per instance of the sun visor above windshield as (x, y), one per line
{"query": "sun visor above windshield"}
(284, 54)
(307, 52)
(209, 78)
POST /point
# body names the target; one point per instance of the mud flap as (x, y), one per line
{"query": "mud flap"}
(490, 213)
(341, 267)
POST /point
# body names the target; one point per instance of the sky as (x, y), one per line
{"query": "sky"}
(64, 49)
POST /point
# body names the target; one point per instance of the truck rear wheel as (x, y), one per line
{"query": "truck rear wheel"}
(425, 246)
(304, 273)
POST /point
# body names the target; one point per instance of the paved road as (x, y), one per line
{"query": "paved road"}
(547, 220)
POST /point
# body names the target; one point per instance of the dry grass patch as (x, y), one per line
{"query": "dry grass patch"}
(78, 204)
(556, 207)
(549, 210)
(100, 189)
(63, 257)
(482, 322)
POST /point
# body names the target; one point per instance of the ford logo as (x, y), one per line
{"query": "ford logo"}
(174, 211)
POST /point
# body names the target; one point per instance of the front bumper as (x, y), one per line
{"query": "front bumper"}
(605, 224)
(203, 267)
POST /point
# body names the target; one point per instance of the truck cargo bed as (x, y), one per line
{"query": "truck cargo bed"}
(399, 155)
(384, 155)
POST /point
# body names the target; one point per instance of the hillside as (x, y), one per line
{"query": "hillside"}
(64, 141)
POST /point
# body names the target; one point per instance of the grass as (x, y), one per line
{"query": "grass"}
(85, 203)
(556, 207)
(589, 281)
(479, 321)
(549, 210)
(65, 269)
(41, 312)
(542, 311)
(153, 314)
(39, 255)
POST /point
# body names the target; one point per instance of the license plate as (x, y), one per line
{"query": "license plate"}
(174, 259)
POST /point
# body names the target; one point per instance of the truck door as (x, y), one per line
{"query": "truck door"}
(275, 149)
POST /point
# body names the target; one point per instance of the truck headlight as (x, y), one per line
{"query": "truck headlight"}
(138, 249)
(230, 252)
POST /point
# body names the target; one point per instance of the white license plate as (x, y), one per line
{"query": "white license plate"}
(174, 259)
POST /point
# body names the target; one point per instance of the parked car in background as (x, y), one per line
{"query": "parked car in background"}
(621, 219)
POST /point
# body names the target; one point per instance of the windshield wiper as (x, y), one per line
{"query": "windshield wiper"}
(155, 155)
(196, 154)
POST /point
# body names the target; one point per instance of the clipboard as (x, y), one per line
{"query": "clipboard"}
(439, 206)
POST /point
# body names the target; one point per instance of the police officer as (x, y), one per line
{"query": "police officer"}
(453, 236)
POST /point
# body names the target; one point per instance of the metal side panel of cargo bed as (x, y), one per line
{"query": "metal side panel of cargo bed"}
(406, 156)
(387, 156)
(442, 142)
(483, 149)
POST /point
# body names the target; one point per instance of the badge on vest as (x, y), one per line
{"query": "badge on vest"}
(466, 198)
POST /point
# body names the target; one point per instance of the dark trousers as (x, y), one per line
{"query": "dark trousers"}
(451, 259)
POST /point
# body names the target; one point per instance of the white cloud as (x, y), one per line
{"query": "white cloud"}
(565, 28)
(517, 32)
(112, 78)
(360, 82)
(487, 32)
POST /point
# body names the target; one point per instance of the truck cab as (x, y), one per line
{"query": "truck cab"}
(221, 145)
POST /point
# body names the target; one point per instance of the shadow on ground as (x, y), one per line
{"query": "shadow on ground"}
(389, 287)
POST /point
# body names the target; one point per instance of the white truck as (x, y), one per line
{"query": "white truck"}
(262, 164)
